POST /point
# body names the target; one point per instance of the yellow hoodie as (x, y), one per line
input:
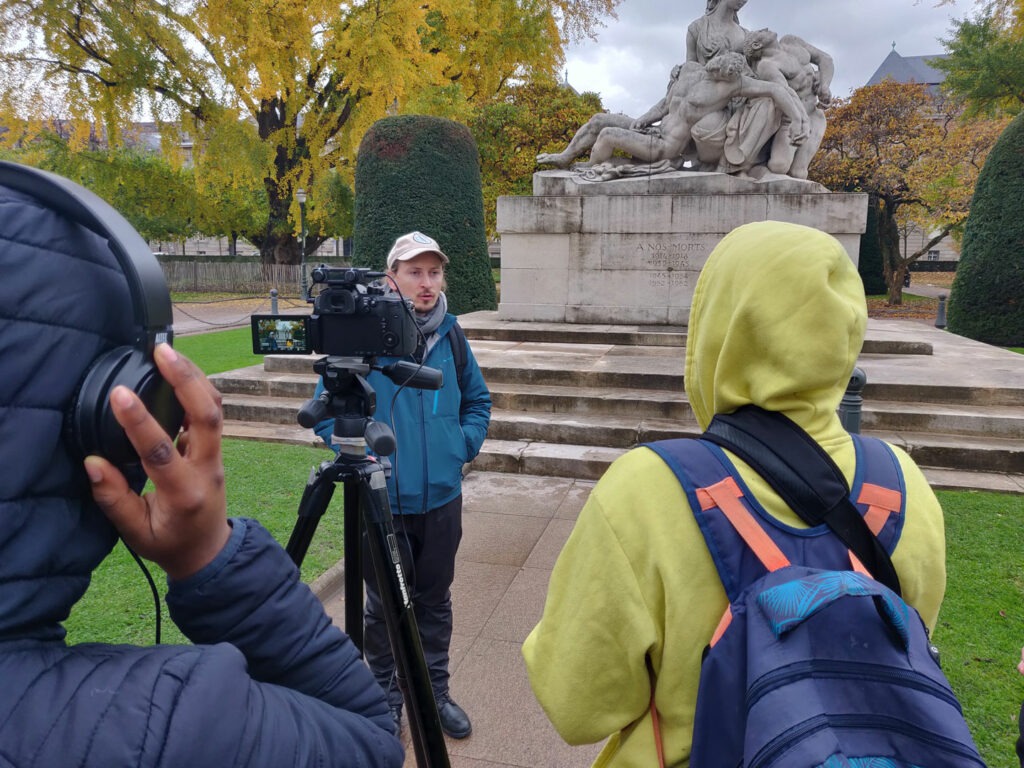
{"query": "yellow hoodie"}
(778, 320)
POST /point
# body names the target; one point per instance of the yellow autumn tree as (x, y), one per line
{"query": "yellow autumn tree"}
(515, 126)
(306, 77)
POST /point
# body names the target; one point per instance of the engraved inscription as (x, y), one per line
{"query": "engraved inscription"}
(658, 280)
(669, 255)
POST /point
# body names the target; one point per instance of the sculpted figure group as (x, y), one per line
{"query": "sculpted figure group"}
(742, 103)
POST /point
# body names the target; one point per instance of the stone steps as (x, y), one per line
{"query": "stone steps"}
(949, 437)
(986, 421)
(564, 414)
(531, 426)
(568, 400)
(638, 369)
(485, 326)
(587, 462)
(591, 401)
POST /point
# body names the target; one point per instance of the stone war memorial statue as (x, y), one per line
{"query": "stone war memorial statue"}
(727, 109)
(623, 218)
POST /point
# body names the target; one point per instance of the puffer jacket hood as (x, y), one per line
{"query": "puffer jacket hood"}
(777, 320)
(63, 301)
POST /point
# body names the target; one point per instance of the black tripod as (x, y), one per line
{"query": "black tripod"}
(351, 401)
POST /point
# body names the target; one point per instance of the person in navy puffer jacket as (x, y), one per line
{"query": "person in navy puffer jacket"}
(270, 681)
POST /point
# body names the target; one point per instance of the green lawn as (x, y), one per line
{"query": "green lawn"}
(203, 296)
(219, 351)
(265, 482)
(981, 624)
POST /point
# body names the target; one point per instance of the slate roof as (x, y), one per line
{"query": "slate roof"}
(909, 69)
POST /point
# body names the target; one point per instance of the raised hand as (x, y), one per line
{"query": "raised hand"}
(182, 524)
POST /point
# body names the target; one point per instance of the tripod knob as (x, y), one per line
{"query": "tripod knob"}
(313, 411)
(380, 438)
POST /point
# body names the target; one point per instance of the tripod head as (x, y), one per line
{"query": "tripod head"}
(349, 399)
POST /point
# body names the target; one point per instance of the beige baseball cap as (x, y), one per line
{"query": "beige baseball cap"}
(413, 244)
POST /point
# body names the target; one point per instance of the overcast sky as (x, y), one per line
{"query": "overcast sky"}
(629, 63)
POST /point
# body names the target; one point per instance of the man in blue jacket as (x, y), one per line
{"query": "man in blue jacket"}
(270, 681)
(437, 433)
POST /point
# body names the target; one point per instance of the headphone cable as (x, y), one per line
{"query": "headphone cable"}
(152, 588)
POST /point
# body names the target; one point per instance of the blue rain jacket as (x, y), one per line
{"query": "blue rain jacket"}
(437, 431)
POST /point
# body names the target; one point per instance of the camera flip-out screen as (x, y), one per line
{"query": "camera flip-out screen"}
(280, 335)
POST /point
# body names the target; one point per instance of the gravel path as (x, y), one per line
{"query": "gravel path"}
(216, 315)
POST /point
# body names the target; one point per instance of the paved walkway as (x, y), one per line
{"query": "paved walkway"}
(920, 287)
(514, 526)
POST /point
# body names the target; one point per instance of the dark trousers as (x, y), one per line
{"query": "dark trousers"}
(1020, 740)
(428, 544)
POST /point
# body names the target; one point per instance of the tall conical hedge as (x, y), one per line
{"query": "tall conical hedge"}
(415, 172)
(987, 299)
(869, 261)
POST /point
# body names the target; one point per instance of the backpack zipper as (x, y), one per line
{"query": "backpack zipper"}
(851, 671)
(773, 749)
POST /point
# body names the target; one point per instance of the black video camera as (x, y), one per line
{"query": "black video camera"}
(351, 318)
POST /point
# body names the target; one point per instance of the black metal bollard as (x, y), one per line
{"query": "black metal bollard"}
(850, 405)
(273, 301)
(940, 315)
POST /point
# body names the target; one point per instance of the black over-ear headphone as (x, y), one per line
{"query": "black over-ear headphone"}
(90, 420)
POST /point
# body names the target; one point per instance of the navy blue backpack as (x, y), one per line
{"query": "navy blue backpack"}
(815, 664)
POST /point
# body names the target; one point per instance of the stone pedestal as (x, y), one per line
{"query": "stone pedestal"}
(629, 251)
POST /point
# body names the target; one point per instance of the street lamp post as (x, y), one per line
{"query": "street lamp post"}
(300, 195)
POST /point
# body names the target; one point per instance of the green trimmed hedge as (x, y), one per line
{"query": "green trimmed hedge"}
(415, 172)
(869, 261)
(987, 298)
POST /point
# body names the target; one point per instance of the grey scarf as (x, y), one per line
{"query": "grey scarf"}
(429, 322)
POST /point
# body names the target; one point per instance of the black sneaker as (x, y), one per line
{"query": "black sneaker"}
(396, 716)
(454, 720)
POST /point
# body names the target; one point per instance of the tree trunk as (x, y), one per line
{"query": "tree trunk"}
(278, 245)
(280, 249)
(894, 294)
(896, 270)
(892, 264)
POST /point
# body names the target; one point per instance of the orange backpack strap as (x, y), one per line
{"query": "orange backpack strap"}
(804, 475)
(726, 495)
(881, 502)
(723, 624)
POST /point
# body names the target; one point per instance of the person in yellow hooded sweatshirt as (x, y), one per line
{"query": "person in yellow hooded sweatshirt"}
(777, 320)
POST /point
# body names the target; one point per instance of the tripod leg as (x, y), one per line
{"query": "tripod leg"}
(353, 565)
(315, 498)
(411, 669)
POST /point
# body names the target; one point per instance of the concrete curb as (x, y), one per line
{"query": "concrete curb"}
(330, 582)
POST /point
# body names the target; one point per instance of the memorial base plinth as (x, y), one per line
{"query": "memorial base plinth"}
(630, 251)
